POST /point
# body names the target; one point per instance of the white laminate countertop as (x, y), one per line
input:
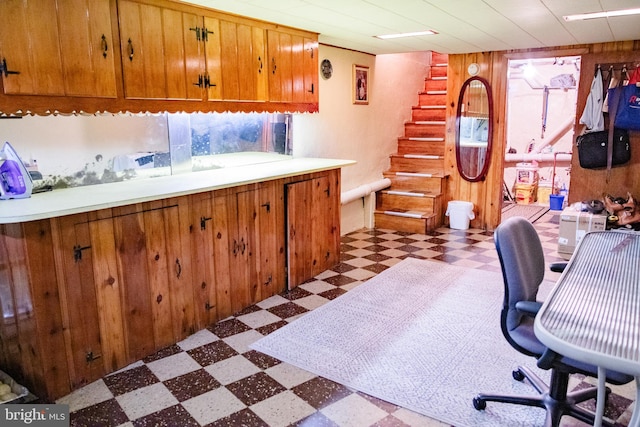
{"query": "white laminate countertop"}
(74, 200)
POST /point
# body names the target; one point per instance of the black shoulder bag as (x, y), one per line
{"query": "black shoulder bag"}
(605, 148)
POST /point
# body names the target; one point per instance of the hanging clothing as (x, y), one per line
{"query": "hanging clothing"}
(592, 115)
(612, 84)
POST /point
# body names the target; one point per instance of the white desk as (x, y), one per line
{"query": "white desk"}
(593, 312)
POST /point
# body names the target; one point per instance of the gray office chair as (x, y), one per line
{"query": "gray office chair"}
(523, 267)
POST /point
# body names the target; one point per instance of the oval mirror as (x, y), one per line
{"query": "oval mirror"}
(473, 129)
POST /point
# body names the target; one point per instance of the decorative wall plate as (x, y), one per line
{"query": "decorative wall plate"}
(326, 69)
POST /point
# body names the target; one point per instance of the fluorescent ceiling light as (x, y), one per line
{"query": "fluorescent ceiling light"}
(414, 34)
(582, 16)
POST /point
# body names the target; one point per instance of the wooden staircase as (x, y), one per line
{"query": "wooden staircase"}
(414, 201)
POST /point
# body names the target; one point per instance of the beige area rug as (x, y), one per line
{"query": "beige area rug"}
(531, 212)
(423, 335)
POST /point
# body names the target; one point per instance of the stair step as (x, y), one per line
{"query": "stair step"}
(427, 146)
(416, 163)
(431, 122)
(424, 129)
(425, 224)
(406, 193)
(433, 84)
(420, 174)
(406, 214)
(433, 113)
(439, 77)
(425, 98)
(421, 156)
(435, 182)
(426, 139)
(409, 200)
(439, 70)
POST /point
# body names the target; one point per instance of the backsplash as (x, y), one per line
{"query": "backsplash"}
(71, 151)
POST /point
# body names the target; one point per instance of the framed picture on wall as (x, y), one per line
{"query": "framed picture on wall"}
(360, 84)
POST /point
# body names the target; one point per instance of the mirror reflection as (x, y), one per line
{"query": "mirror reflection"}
(473, 136)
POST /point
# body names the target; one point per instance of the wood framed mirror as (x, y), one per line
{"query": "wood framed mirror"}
(474, 120)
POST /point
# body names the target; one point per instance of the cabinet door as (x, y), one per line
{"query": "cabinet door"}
(142, 50)
(264, 216)
(203, 220)
(86, 43)
(169, 277)
(77, 289)
(279, 46)
(62, 47)
(29, 47)
(183, 54)
(242, 60)
(313, 227)
(162, 53)
(213, 64)
(310, 70)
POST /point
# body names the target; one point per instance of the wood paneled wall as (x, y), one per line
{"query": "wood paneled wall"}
(585, 184)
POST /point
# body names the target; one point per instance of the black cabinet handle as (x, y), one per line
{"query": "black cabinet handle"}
(105, 46)
(77, 252)
(312, 88)
(267, 205)
(178, 268)
(130, 48)
(200, 83)
(203, 222)
(90, 357)
(207, 82)
(205, 34)
(260, 61)
(197, 30)
(273, 63)
(4, 70)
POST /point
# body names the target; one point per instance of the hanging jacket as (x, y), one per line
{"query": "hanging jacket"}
(592, 115)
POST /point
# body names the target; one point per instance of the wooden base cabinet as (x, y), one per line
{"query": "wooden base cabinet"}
(87, 294)
(313, 226)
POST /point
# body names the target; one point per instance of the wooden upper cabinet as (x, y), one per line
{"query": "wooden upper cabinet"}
(108, 55)
(244, 74)
(62, 47)
(168, 53)
(86, 43)
(293, 67)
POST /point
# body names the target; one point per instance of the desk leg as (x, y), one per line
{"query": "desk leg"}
(602, 396)
(635, 418)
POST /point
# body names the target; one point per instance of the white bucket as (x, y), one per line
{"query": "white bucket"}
(459, 214)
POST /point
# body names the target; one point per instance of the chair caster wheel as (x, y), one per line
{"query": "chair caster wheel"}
(517, 375)
(479, 403)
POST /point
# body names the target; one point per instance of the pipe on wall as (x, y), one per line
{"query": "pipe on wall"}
(363, 190)
(538, 157)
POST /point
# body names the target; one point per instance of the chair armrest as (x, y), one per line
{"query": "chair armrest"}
(528, 308)
(547, 360)
(557, 267)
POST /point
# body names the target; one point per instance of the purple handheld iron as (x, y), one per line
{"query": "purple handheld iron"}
(15, 181)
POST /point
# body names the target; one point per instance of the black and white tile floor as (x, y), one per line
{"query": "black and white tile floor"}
(213, 379)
